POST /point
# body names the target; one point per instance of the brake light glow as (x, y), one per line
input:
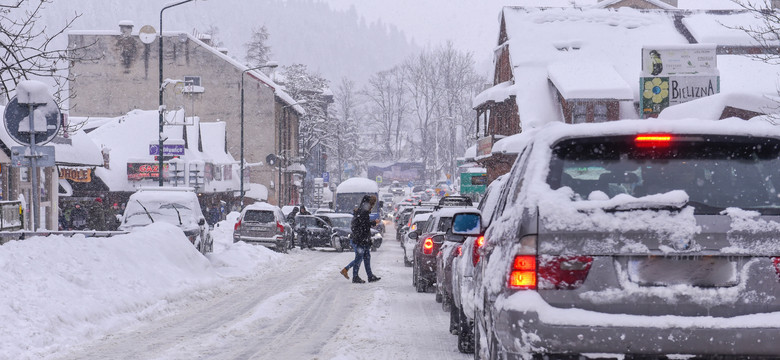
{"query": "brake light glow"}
(459, 251)
(523, 274)
(414, 227)
(427, 246)
(776, 262)
(237, 226)
(652, 140)
(280, 227)
(475, 253)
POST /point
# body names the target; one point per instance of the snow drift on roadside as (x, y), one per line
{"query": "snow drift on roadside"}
(64, 290)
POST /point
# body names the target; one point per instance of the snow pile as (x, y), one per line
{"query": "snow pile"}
(78, 288)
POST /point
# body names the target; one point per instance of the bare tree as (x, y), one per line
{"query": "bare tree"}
(27, 49)
(424, 86)
(344, 127)
(765, 32)
(387, 109)
(258, 52)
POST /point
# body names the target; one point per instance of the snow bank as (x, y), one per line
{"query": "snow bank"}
(77, 288)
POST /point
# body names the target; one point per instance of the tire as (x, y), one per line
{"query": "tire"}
(465, 333)
(407, 263)
(446, 303)
(337, 244)
(454, 321)
(419, 284)
(438, 295)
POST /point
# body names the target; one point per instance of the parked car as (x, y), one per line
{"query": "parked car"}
(427, 247)
(455, 200)
(329, 230)
(452, 246)
(264, 224)
(419, 222)
(636, 238)
(175, 205)
(462, 309)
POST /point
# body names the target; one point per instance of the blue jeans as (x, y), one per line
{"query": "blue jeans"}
(362, 254)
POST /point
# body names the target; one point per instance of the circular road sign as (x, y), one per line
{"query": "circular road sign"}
(15, 113)
(147, 34)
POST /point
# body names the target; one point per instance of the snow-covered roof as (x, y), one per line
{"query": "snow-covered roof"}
(451, 211)
(358, 185)
(213, 139)
(471, 152)
(721, 28)
(660, 4)
(588, 80)
(711, 107)
(512, 144)
(77, 150)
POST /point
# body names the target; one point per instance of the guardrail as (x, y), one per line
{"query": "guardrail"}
(6, 236)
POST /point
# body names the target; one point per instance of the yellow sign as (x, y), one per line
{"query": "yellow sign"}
(76, 174)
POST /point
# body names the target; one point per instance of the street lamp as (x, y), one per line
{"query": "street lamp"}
(160, 109)
(281, 151)
(270, 64)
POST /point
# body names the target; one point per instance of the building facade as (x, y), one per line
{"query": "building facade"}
(206, 83)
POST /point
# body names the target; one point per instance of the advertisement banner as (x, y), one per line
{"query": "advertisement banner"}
(694, 59)
(484, 146)
(140, 171)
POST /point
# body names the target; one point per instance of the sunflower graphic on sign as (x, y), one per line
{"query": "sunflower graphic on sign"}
(655, 95)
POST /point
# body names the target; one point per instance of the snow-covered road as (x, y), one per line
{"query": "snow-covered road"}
(299, 307)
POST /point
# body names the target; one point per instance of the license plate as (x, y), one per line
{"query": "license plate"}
(703, 271)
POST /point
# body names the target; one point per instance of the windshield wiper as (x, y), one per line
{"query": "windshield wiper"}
(177, 213)
(702, 208)
(147, 211)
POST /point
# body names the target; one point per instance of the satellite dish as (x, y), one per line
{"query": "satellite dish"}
(147, 34)
(271, 159)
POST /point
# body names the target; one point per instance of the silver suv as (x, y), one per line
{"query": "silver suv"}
(635, 239)
(264, 224)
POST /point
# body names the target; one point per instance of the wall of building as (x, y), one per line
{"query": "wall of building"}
(125, 76)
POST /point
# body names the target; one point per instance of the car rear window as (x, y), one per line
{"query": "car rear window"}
(715, 171)
(259, 216)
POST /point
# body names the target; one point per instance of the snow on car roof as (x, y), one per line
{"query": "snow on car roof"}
(421, 217)
(261, 206)
(451, 211)
(164, 195)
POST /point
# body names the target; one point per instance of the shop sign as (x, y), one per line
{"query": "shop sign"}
(691, 59)
(485, 146)
(658, 93)
(76, 174)
(140, 171)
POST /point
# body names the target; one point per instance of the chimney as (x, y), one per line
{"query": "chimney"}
(206, 38)
(126, 27)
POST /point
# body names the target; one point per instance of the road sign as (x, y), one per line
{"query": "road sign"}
(410, 184)
(168, 149)
(21, 156)
(46, 117)
(326, 177)
(147, 34)
(379, 179)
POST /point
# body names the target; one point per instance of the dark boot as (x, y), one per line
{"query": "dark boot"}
(358, 280)
(373, 278)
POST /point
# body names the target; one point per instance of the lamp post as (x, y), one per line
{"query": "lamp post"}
(281, 151)
(160, 89)
(270, 64)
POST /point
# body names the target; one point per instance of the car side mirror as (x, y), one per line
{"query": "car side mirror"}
(413, 235)
(202, 221)
(467, 224)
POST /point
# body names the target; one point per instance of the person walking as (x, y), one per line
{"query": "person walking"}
(361, 241)
(97, 215)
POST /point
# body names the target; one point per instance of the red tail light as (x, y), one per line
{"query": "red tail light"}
(776, 262)
(427, 246)
(459, 251)
(530, 272)
(238, 225)
(475, 253)
(280, 227)
(563, 272)
(652, 140)
(523, 274)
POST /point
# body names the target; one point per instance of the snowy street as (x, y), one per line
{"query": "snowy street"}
(299, 307)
